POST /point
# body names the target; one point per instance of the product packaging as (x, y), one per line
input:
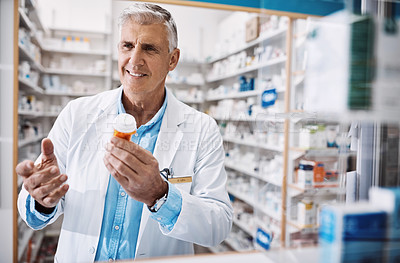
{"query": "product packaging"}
(306, 213)
(124, 126)
(352, 233)
(389, 200)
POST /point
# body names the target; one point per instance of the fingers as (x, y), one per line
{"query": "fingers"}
(122, 180)
(41, 177)
(52, 199)
(45, 189)
(142, 154)
(126, 157)
(120, 167)
(25, 168)
(47, 149)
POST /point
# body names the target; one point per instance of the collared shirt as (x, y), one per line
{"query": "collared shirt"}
(122, 214)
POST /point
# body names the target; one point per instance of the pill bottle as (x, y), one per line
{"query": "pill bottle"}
(124, 126)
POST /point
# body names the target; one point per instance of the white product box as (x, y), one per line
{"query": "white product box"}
(306, 213)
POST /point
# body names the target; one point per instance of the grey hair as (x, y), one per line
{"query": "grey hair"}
(147, 14)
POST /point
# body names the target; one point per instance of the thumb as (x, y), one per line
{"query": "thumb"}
(47, 149)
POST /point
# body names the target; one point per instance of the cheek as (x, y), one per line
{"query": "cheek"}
(122, 61)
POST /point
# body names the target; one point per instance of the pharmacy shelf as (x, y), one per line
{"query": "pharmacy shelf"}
(30, 113)
(314, 190)
(190, 63)
(266, 36)
(23, 143)
(81, 31)
(273, 215)
(194, 101)
(221, 248)
(235, 247)
(80, 52)
(183, 83)
(243, 226)
(253, 203)
(262, 117)
(272, 227)
(38, 242)
(28, 85)
(25, 21)
(343, 116)
(235, 95)
(244, 197)
(25, 55)
(245, 170)
(269, 63)
(298, 226)
(253, 143)
(24, 242)
(67, 93)
(323, 152)
(76, 72)
(242, 168)
(298, 116)
(35, 16)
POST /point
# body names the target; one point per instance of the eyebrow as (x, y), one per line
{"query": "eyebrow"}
(143, 45)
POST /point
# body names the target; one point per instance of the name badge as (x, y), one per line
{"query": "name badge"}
(180, 180)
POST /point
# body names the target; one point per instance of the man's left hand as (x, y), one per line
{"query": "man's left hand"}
(136, 170)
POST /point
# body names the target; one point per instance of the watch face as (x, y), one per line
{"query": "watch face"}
(158, 204)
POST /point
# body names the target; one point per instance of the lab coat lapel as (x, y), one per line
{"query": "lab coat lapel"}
(168, 142)
(104, 132)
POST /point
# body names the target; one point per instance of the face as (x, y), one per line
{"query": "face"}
(143, 58)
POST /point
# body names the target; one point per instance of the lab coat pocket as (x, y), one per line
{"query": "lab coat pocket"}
(182, 182)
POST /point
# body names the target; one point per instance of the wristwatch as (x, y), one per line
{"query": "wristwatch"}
(159, 203)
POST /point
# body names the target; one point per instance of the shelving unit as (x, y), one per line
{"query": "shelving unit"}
(261, 121)
(244, 169)
(236, 95)
(270, 63)
(71, 51)
(26, 48)
(254, 143)
(36, 139)
(243, 227)
(26, 84)
(259, 40)
(24, 242)
(42, 53)
(76, 72)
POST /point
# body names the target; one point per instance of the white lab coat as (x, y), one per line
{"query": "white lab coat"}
(189, 142)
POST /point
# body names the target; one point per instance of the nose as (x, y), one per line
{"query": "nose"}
(136, 57)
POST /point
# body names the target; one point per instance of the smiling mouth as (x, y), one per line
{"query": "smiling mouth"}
(135, 74)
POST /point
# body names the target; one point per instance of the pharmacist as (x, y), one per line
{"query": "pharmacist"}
(116, 205)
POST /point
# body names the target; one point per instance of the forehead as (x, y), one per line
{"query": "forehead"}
(154, 33)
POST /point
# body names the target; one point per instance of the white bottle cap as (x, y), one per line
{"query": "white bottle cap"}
(125, 123)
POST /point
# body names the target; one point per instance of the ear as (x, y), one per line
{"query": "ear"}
(174, 59)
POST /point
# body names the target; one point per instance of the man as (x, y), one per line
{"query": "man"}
(116, 205)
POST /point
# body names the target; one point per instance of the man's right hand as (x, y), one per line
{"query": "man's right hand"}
(44, 181)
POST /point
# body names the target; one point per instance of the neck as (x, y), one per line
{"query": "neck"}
(143, 107)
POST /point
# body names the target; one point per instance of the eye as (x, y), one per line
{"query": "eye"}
(126, 46)
(149, 48)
